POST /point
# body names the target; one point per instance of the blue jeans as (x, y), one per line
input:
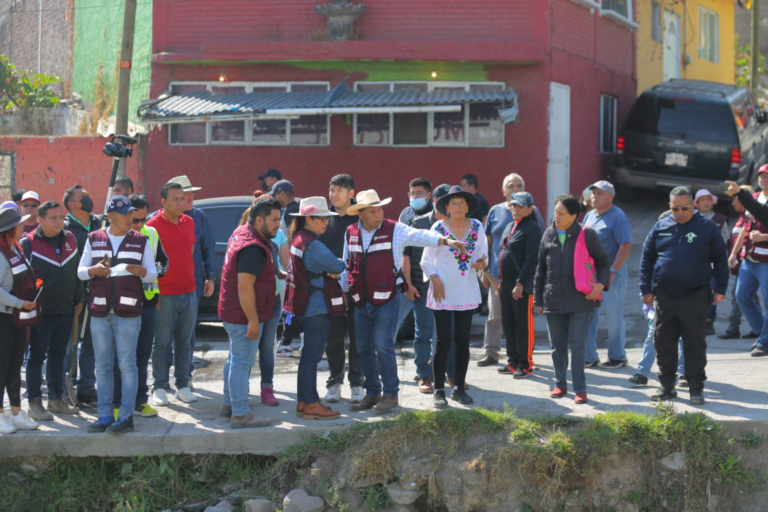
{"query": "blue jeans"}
(424, 338)
(613, 306)
(49, 341)
(116, 335)
(316, 331)
(86, 384)
(649, 355)
(375, 333)
(237, 369)
(569, 330)
(143, 352)
(175, 322)
(751, 276)
(267, 346)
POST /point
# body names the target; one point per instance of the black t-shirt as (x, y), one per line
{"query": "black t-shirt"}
(251, 260)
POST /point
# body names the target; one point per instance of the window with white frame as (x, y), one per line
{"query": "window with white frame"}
(622, 7)
(607, 124)
(475, 125)
(656, 21)
(304, 131)
(708, 37)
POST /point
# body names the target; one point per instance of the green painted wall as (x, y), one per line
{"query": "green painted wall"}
(98, 34)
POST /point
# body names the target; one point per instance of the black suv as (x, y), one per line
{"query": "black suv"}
(224, 215)
(692, 133)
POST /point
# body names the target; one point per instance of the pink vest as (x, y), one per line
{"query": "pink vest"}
(371, 273)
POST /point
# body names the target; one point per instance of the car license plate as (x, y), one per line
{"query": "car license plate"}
(676, 159)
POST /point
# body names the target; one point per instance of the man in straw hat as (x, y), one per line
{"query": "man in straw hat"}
(373, 250)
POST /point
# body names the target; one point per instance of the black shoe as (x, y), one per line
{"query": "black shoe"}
(439, 401)
(710, 327)
(488, 361)
(751, 335)
(522, 373)
(121, 427)
(88, 397)
(462, 397)
(664, 395)
(101, 425)
(593, 364)
(612, 364)
(507, 370)
(759, 352)
(697, 398)
(638, 380)
(730, 335)
(682, 383)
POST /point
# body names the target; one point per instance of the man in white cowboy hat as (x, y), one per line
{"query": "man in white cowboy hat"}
(373, 250)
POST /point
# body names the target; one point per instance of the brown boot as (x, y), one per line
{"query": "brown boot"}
(451, 383)
(249, 421)
(368, 402)
(225, 411)
(300, 409)
(386, 404)
(318, 411)
(425, 385)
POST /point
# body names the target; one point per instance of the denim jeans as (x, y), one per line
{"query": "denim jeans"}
(86, 383)
(425, 337)
(569, 330)
(267, 346)
(375, 333)
(175, 323)
(143, 352)
(613, 306)
(316, 331)
(649, 355)
(751, 276)
(116, 335)
(237, 369)
(49, 341)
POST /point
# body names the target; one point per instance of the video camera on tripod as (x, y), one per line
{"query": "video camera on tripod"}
(116, 147)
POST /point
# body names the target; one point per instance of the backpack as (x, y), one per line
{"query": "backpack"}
(584, 272)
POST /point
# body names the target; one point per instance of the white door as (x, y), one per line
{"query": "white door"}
(559, 150)
(672, 46)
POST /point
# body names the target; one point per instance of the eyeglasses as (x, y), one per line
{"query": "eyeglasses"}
(325, 220)
(418, 194)
(139, 221)
(29, 205)
(685, 208)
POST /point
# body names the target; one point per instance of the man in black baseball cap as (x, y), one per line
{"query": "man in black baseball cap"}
(269, 178)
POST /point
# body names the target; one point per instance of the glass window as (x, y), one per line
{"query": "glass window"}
(485, 126)
(682, 118)
(623, 7)
(309, 130)
(410, 129)
(227, 131)
(708, 21)
(187, 133)
(740, 115)
(448, 127)
(607, 124)
(372, 129)
(656, 21)
(269, 131)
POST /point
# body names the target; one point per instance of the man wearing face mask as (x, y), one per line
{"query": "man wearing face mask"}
(420, 200)
(269, 178)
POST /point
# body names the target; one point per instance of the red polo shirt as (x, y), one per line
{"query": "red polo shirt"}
(178, 242)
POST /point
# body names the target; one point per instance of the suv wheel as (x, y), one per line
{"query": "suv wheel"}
(626, 193)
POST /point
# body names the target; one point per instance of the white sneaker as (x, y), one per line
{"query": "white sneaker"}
(21, 422)
(358, 393)
(159, 397)
(6, 427)
(186, 395)
(334, 393)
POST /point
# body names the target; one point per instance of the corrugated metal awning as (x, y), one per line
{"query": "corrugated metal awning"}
(208, 106)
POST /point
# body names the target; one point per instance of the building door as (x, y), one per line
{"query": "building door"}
(6, 177)
(559, 150)
(672, 46)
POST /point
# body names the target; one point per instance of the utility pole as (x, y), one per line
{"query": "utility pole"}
(124, 80)
(756, 49)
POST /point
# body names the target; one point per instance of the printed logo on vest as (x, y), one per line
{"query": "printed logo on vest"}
(99, 244)
(379, 237)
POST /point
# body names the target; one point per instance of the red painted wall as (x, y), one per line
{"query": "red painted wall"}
(49, 166)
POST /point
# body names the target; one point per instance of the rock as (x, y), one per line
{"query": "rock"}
(299, 501)
(403, 495)
(230, 488)
(341, 484)
(28, 468)
(222, 506)
(258, 506)
(673, 462)
(200, 506)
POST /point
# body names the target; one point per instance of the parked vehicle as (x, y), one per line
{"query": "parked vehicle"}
(692, 133)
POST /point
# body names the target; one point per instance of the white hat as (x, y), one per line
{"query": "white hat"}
(30, 195)
(314, 207)
(185, 183)
(705, 192)
(365, 199)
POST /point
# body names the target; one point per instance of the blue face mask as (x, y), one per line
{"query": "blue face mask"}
(419, 203)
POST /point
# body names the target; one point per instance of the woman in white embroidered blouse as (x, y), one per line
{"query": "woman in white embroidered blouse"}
(454, 292)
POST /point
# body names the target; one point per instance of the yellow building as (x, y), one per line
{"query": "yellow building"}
(691, 39)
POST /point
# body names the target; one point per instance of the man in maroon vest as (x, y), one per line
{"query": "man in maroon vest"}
(373, 250)
(116, 261)
(246, 301)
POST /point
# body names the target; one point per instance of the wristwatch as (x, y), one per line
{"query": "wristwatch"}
(614, 271)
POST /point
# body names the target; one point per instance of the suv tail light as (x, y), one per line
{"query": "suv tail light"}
(735, 158)
(620, 145)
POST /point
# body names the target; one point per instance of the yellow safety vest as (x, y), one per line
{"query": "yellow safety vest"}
(151, 289)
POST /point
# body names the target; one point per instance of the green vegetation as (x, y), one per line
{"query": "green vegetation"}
(24, 89)
(744, 63)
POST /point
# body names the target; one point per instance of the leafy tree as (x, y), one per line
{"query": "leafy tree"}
(24, 89)
(744, 63)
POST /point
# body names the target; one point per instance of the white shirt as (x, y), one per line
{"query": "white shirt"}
(147, 259)
(462, 291)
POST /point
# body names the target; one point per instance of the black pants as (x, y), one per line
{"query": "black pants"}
(291, 331)
(13, 344)
(341, 326)
(517, 322)
(451, 326)
(685, 316)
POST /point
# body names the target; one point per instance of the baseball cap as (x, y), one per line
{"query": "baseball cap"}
(440, 191)
(763, 169)
(271, 173)
(521, 198)
(9, 204)
(120, 204)
(603, 185)
(281, 186)
(29, 194)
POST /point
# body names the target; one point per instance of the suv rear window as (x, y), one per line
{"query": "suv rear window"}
(681, 118)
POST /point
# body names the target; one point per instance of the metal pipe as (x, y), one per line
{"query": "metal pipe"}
(40, 37)
(363, 110)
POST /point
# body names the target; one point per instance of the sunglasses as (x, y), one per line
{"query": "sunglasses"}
(29, 205)
(139, 221)
(684, 208)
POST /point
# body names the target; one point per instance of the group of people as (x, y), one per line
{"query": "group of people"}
(346, 272)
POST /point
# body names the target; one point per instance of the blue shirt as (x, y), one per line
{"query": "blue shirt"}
(279, 240)
(318, 259)
(203, 253)
(612, 227)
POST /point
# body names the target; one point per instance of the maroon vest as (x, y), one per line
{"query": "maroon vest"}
(371, 273)
(757, 251)
(230, 310)
(24, 282)
(121, 294)
(735, 231)
(297, 284)
(719, 219)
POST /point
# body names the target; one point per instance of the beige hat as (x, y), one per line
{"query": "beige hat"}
(185, 183)
(314, 207)
(365, 199)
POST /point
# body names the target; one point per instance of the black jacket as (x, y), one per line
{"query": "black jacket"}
(417, 274)
(520, 253)
(555, 287)
(408, 213)
(333, 238)
(753, 206)
(81, 235)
